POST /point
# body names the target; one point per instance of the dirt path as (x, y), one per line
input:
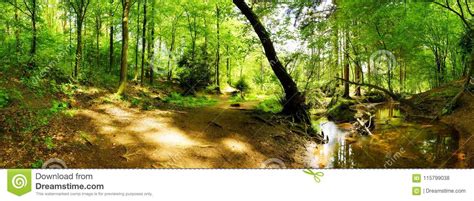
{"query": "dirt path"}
(219, 136)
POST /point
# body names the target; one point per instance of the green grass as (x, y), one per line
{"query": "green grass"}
(189, 101)
(271, 105)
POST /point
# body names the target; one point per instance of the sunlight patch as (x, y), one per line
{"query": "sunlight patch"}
(145, 124)
(171, 137)
(235, 145)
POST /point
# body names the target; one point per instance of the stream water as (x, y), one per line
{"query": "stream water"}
(396, 143)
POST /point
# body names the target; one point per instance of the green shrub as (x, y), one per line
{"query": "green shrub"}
(37, 164)
(242, 85)
(4, 98)
(189, 101)
(272, 105)
(58, 106)
(194, 72)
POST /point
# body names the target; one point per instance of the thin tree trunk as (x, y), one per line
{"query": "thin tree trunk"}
(138, 40)
(34, 33)
(170, 53)
(111, 38)
(151, 42)
(346, 66)
(17, 32)
(142, 74)
(218, 56)
(98, 26)
(229, 77)
(123, 63)
(77, 65)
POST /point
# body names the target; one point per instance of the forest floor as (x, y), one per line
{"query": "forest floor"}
(107, 132)
(97, 129)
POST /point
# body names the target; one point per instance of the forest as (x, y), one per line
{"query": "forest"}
(237, 84)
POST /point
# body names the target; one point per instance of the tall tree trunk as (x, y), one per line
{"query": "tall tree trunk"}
(17, 32)
(34, 33)
(229, 77)
(346, 65)
(123, 62)
(358, 75)
(294, 100)
(218, 55)
(111, 38)
(77, 65)
(170, 53)
(142, 73)
(137, 45)
(98, 26)
(151, 42)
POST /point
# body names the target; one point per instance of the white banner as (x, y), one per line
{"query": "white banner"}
(236, 184)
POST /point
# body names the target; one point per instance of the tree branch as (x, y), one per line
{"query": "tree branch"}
(29, 15)
(469, 9)
(466, 23)
(389, 93)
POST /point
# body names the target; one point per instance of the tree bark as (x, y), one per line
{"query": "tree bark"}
(137, 45)
(346, 66)
(294, 100)
(170, 53)
(17, 32)
(123, 63)
(218, 55)
(78, 48)
(111, 38)
(142, 74)
(34, 31)
(151, 42)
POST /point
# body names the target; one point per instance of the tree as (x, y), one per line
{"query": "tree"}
(124, 58)
(111, 36)
(151, 41)
(142, 75)
(31, 12)
(218, 54)
(80, 9)
(294, 100)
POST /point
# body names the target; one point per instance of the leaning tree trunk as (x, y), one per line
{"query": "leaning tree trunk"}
(294, 100)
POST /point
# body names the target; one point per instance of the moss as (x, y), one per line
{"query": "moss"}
(340, 110)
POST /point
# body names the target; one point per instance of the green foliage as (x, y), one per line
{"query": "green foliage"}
(37, 164)
(189, 101)
(242, 85)
(340, 110)
(58, 106)
(49, 142)
(272, 105)
(4, 98)
(194, 74)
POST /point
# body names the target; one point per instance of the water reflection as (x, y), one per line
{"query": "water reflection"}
(395, 143)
